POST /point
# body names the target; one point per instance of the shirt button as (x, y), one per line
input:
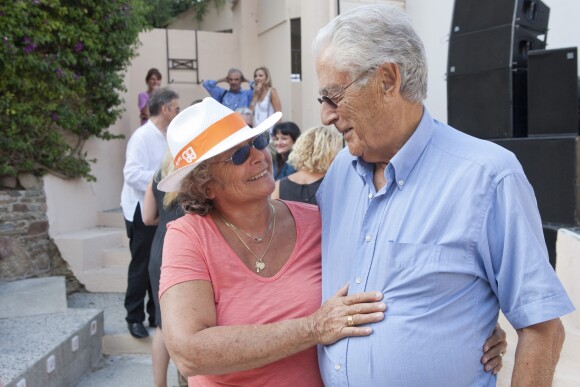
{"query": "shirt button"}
(371, 196)
(358, 280)
(337, 367)
(368, 238)
(401, 183)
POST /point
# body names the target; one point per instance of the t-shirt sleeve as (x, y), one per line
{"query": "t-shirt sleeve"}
(143, 99)
(183, 257)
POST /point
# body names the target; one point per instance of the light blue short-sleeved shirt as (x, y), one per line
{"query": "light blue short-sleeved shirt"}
(454, 236)
(242, 98)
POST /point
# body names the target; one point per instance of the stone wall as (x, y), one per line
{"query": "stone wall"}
(26, 249)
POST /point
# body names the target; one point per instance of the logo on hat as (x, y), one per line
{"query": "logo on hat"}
(188, 154)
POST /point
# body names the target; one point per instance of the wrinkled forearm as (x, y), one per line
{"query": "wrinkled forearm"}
(224, 349)
(537, 354)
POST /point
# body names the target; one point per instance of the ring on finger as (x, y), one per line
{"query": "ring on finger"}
(350, 321)
(501, 354)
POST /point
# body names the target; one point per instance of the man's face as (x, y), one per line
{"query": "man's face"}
(235, 81)
(368, 116)
(172, 109)
(355, 115)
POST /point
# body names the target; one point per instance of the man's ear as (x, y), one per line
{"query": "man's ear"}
(390, 78)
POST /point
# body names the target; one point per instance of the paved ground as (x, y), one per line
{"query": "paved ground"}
(126, 371)
(119, 370)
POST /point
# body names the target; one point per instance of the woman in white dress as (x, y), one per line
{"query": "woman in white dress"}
(266, 100)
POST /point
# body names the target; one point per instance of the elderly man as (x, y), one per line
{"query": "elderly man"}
(235, 97)
(145, 150)
(444, 224)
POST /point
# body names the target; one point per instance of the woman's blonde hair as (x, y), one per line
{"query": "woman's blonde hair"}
(315, 149)
(259, 96)
(166, 168)
(268, 81)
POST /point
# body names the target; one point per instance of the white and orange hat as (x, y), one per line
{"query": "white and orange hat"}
(203, 131)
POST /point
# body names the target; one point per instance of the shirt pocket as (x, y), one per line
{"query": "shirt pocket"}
(409, 277)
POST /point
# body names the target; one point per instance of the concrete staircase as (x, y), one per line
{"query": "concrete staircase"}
(47, 339)
(42, 341)
(99, 256)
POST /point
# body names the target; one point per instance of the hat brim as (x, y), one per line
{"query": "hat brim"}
(172, 182)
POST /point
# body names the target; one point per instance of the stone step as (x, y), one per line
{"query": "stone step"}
(125, 344)
(83, 250)
(98, 256)
(117, 256)
(111, 218)
(32, 296)
(55, 349)
(114, 218)
(116, 338)
(43, 342)
(105, 279)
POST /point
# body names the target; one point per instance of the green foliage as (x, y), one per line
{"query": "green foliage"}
(61, 71)
(162, 11)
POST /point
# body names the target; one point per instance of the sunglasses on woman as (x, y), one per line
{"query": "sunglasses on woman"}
(241, 155)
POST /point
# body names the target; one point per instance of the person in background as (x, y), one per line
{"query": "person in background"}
(311, 156)
(235, 97)
(153, 80)
(285, 135)
(247, 115)
(145, 150)
(160, 208)
(444, 224)
(240, 281)
(266, 100)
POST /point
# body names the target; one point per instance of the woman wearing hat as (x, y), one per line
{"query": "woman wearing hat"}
(240, 280)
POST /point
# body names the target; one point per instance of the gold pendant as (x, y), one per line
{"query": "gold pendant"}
(260, 266)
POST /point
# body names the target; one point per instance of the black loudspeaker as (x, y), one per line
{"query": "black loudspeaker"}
(490, 49)
(490, 104)
(474, 15)
(552, 165)
(551, 237)
(553, 91)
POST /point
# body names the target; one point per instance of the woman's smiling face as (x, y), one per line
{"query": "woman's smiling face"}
(283, 143)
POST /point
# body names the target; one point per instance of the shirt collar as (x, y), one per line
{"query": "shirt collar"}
(406, 158)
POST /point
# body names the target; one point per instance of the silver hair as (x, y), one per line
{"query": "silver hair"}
(369, 36)
(235, 70)
(159, 98)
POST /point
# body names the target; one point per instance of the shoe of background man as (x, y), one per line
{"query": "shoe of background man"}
(138, 330)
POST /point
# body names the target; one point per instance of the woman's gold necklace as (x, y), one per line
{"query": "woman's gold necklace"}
(255, 238)
(260, 265)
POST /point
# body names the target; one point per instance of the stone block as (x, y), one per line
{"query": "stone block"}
(8, 181)
(34, 296)
(29, 181)
(38, 227)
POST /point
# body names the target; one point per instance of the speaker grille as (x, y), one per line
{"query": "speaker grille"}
(474, 15)
(553, 91)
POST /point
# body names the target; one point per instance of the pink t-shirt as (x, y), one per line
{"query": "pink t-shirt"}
(194, 249)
